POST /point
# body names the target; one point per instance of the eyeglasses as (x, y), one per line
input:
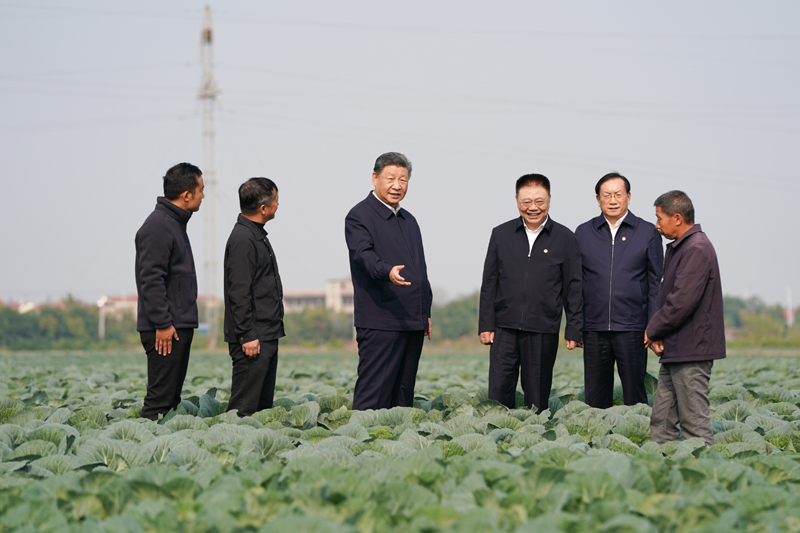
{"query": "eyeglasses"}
(538, 202)
(619, 195)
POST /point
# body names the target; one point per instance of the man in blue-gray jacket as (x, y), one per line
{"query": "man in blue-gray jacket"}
(622, 259)
(392, 295)
(166, 282)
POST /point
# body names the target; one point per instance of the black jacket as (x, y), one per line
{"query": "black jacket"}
(378, 240)
(253, 290)
(620, 277)
(689, 318)
(528, 292)
(166, 280)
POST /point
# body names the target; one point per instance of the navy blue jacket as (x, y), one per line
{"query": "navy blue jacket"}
(527, 289)
(620, 278)
(165, 276)
(378, 240)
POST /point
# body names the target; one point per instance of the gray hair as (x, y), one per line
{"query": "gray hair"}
(256, 192)
(392, 158)
(676, 202)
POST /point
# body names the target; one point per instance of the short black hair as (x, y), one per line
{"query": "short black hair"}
(256, 192)
(533, 179)
(391, 158)
(676, 202)
(611, 176)
(179, 179)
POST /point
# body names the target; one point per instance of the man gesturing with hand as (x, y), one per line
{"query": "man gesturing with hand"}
(392, 295)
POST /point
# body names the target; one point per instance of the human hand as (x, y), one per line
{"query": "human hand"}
(571, 345)
(164, 340)
(657, 347)
(487, 337)
(251, 349)
(430, 328)
(396, 278)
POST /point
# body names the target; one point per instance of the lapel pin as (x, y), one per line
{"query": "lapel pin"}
(545, 250)
(624, 238)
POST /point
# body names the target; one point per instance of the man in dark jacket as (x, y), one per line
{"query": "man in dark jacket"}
(532, 272)
(167, 285)
(687, 330)
(392, 295)
(253, 300)
(622, 259)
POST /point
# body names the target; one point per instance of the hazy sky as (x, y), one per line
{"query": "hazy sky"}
(99, 99)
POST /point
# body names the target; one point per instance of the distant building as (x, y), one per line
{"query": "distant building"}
(337, 297)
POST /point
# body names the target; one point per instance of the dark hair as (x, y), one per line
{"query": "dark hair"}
(179, 179)
(676, 202)
(256, 192)
(611, 176)
(533, 179)
(391, 158)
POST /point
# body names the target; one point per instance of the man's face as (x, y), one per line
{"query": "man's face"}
(533, 202)
(391, 184)
(269, 210)
(194, 199)
(667, 225)
(613, 199)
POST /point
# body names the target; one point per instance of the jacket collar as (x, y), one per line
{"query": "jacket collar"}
(630, 220)
(691, 231)
(381, 209)
(179, 214)
(257, 229)
(548, 224)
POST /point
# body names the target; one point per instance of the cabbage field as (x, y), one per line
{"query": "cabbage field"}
(76, 457)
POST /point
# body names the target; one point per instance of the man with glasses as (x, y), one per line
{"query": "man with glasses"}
(531, 274)
(622, 259)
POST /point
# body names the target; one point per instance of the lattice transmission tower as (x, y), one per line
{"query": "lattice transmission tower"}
(209, 90)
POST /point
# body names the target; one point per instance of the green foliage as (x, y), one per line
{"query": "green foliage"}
(457, 318)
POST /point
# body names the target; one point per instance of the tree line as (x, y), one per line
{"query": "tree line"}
(73, 325)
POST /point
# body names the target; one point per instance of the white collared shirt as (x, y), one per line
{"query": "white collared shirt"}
(615, 227)
(392, 209)
(532, 234)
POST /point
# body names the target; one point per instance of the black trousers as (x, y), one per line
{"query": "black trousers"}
(387, 368)
(253, 380)
(165, 373)
(535, 354)
(601, 349)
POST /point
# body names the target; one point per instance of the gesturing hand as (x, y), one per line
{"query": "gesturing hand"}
(396, 278)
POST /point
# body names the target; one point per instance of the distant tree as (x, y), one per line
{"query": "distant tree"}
(457, 318)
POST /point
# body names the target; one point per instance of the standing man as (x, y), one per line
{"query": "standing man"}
(391, 289)
(622, 259)
(687, 330)
(166, 282)
(532, 272)
(253, 300)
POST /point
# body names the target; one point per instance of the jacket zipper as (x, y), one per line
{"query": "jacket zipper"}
(525, 284)
(610, 280)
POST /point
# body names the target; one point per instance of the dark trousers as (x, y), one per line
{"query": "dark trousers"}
(601, 349)
(387, 368)
(253, 380)
(682, 399)
(165, 373)
(535, 354)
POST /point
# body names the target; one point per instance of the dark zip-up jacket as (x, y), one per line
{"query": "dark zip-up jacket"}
(377, 240)
(529, 292)
(166, 280)
(620, 277)
(689, 316)
(252, 286)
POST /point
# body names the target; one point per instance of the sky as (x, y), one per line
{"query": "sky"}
(99, 99)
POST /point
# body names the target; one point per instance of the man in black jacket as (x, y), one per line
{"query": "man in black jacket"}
(622, 258)
(391, 291)
(532, 272)
(167, 285)
(253, 300)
